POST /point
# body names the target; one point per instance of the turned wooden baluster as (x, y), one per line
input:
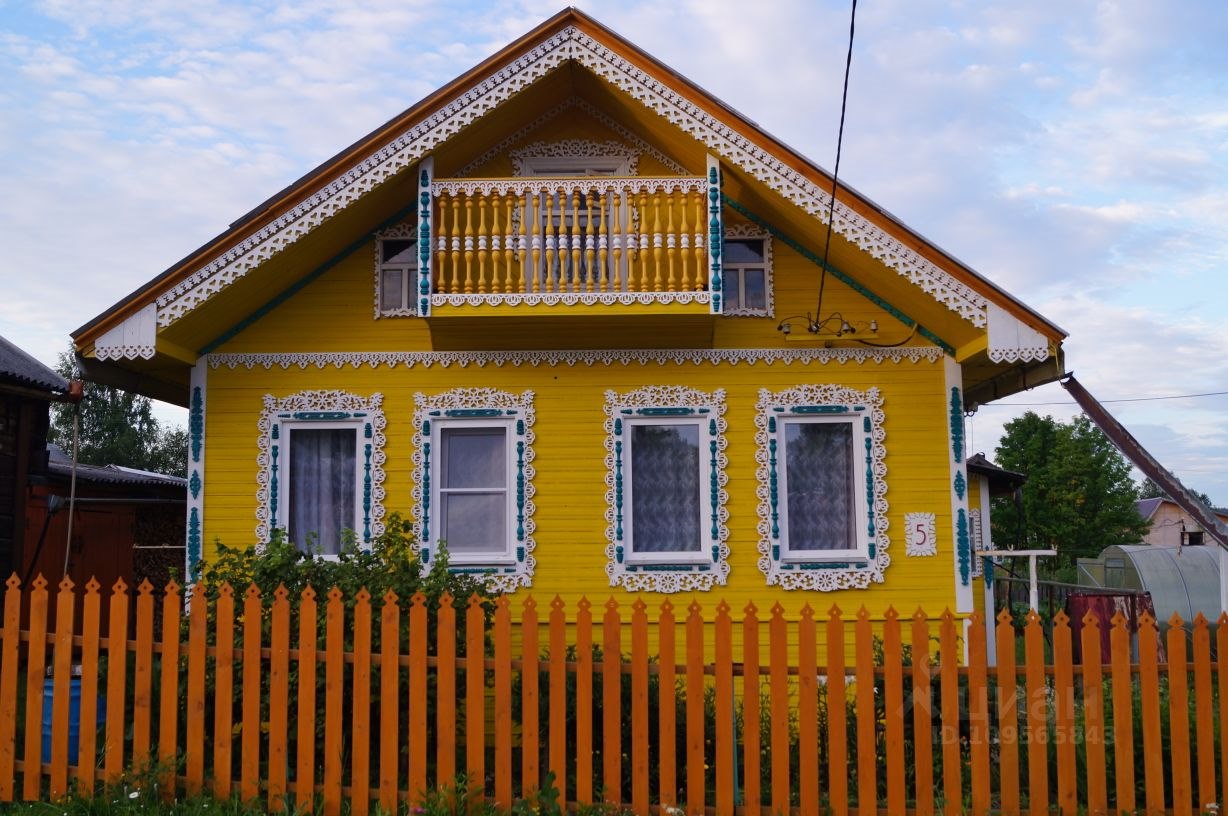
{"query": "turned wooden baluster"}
(684, 243)
(523, 247)
(617, 234)
(559, 261)
(456, 284)
(577, 240)
(658, 251)
(701, 243)
(441, 254)
(590, 239)
(603, 241)
(642, 248)
(483, 240)
(468, 244)
(509, 237)
(671, 242)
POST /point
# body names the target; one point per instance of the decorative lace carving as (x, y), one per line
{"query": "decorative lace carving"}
(573, 149)
(708, 409)
(585, 357)
(332, 406)
(976, 519)
(474, 103)
(517, 407)
(570, 298)
(920, 534)
(743, 230)
(858, 573)
(643, 147)
(406, 229)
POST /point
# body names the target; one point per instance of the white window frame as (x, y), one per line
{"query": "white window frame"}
(749, 232)
(475, 408)
(508, 555)
(700, 555)
(320, 409)
(666, 572)
(406, 231)
(823, 570)
(288, 427)
(860, 549)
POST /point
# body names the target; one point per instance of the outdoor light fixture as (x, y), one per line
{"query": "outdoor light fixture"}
(834, 325)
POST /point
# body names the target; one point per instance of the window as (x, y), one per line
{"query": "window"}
(666, 499)
(747, 271)
(321, 469)
(472, 472)
(821, 487)
(397, 275)
(474, 482)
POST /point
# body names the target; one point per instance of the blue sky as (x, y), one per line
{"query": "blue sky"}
(1076, 153)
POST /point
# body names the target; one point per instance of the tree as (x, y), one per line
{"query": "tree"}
(1078, 498)
(117, 428)
(1150, 490)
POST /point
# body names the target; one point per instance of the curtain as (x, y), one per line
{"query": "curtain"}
(819, 480)
(665, 488)
(322, 489)
(473, 489)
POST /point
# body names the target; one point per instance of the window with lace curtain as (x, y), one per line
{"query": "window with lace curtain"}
(666, 510)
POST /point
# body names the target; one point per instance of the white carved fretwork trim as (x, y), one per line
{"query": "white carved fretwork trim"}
(668, 578)
(570, 298)
(822, 579)
(744, 230)
(975, 521)
(573, 149)
(575, 102)
(473, 104)
(502, 578)
(920, 534)
(1010, 341)
(585, 357)
(319, 401)
(135, 338)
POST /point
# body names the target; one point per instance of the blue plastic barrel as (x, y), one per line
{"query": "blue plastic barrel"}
(74, 717)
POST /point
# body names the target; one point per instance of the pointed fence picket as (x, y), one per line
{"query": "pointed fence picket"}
(376, 700)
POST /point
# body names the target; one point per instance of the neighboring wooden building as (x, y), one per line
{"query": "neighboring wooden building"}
(1172, 526)
(27, 389)
(565, 314)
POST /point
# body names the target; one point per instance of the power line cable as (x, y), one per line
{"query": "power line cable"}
(1123, 399)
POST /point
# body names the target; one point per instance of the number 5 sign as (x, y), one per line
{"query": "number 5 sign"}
(921, 536)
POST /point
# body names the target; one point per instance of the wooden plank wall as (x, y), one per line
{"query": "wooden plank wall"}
(373, 701)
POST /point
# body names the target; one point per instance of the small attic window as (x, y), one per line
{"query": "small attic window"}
(397, 275)
(747, 260)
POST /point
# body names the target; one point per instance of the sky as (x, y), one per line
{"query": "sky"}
(1073, 152)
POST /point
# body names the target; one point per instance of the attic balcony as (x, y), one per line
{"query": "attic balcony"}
(567, 246)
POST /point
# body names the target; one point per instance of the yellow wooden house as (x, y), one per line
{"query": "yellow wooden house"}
(571, 314)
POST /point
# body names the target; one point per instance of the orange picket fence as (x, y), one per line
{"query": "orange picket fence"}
(323, 702)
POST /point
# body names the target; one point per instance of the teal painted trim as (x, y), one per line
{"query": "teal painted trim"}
(471, 413)
(296, 287)
(520, 497)
(424, 245)
(618, 481)
(961, 486)
(714, 486)
(321, 416)
(426, 487)
(194, 484)
(665, 412)
(840, 276)
(957, 426)
(716, 242)
(819, 409)
(987, 571)
(963, 547)
(194, 536)
(273, 481)
(366, 484)
(196, 422)
(774, 485)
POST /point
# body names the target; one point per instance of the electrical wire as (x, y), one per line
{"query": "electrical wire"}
(831, 209)
(1123, 399)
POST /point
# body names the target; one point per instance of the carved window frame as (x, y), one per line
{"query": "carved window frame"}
(667, 403)
(607, 158)
(326, 409)
(745, 232)
(480, 407)
(405, 231)
(830, 402)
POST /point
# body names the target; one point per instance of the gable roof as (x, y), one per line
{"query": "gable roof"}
(20, 369)
(157, 318)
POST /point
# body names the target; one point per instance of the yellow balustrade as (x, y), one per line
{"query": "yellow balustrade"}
(569, 235)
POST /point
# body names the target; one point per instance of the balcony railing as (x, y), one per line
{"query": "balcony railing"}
(552, 235)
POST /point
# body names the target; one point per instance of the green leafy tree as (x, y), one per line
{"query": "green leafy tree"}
(117, 428)
(1150, 490)
(1078, 498)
